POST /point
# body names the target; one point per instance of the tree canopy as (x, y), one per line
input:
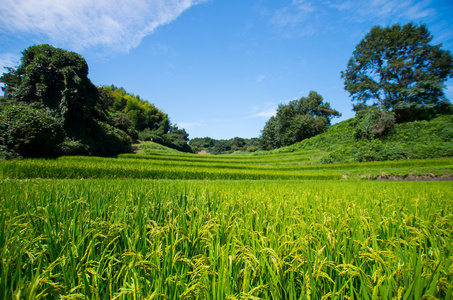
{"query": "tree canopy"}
(296, 121)
(214, 146)
(395, 68)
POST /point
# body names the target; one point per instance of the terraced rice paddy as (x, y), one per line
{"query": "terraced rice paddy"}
(92, 228)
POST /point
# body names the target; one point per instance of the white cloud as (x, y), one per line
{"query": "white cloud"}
(111, 24)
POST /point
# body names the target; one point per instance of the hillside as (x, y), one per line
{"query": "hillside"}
(412, 140)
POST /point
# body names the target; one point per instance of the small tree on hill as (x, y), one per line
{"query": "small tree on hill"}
(395, 68)
(296, 121)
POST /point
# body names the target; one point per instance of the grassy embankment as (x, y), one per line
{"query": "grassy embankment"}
(413, 140)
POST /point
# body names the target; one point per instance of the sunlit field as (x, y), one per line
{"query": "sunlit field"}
(97, 238)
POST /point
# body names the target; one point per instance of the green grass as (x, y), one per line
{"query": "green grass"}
(151, 147)
(142, 239)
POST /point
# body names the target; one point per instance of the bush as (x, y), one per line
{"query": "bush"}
(29, 132)
(373, 123)
(114, 141)
(74, 147)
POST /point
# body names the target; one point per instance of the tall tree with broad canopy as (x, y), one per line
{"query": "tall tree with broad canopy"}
(395, 68)
(296, 121)
(55, 80)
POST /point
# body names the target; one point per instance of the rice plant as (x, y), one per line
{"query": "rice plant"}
(162, 239)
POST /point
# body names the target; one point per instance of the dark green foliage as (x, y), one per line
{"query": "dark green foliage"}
(214, 146)
(270, 135)
(373, 123)
(72, 146)
(112, 141)
(178, 139)
(296, 121)
(56, 80)
(395, 68)
(97, 121)
(29, 132)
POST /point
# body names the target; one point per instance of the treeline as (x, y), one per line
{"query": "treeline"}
(210, 145)
(51, 108)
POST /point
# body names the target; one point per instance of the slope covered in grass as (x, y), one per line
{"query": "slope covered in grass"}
(412, 140)
(151, 147)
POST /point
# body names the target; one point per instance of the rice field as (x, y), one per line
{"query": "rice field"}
(287, 166)
(74, 236)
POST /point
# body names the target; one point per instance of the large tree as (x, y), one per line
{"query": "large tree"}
(55, 80)
(296, 121)
(396, 68)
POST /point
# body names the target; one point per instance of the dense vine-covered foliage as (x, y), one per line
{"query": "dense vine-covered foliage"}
(29, 132)
(95, 120)
(373, 123)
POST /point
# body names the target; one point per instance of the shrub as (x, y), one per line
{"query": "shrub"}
(74, 147)
(29, 132)
(115, 141)
(373, 123)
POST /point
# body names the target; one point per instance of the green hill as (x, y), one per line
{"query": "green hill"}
(144, 148)
(412, 140)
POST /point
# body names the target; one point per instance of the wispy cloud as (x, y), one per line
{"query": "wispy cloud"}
(8, 60)
(260, 78)
(384, 11)
(291, 16)
(189, 125)
(267, 109)
(296, 12)
(308, 17)
(114, 25)
(264, 113)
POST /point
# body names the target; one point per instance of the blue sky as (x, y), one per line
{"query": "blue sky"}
(218, 68)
